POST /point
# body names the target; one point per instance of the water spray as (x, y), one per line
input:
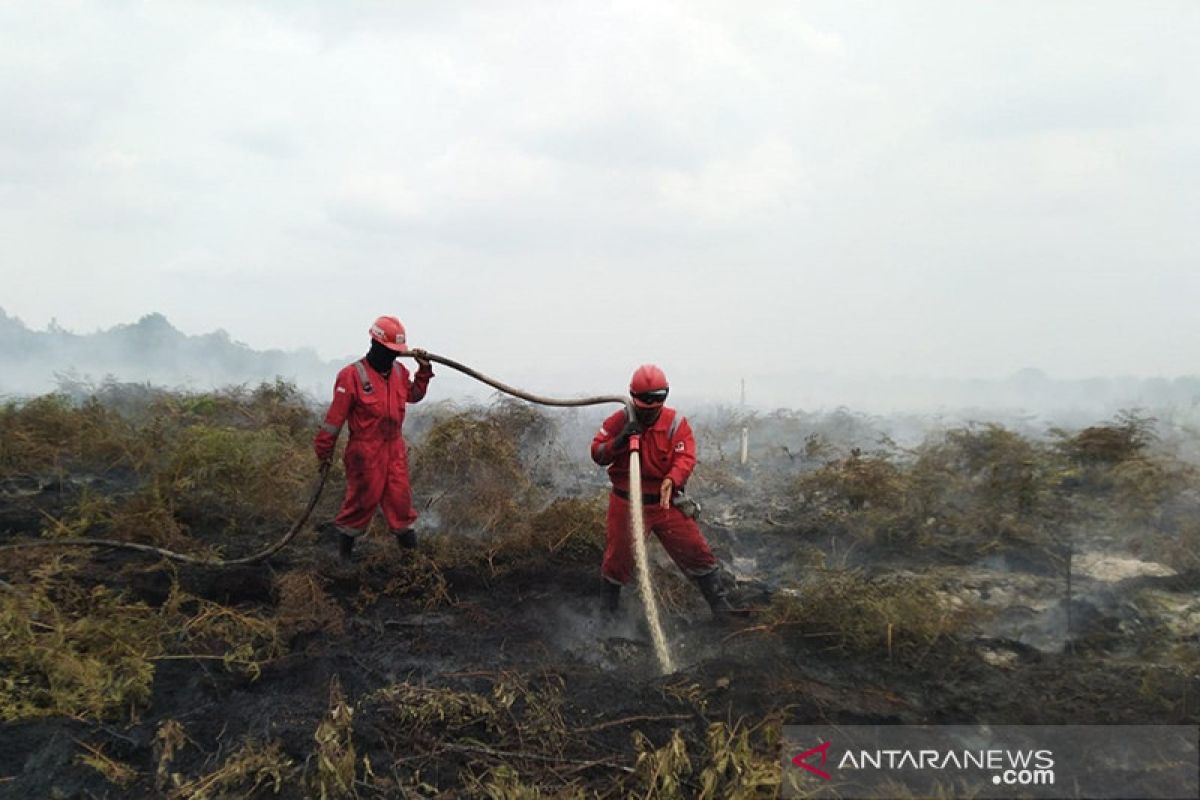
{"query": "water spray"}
(637, 529)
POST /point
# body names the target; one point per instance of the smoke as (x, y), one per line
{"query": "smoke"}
(1028, 392)
(150, 351)
(153, 351)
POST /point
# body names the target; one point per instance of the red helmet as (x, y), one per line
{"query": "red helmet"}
(389, 332)
(648, 387)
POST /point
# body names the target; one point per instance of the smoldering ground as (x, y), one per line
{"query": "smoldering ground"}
(895, 577)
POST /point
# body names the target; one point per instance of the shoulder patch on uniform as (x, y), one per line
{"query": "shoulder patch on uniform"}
(342, 389)
(603, 434)
(679, 447)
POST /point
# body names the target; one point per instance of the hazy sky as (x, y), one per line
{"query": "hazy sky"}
(555, 192)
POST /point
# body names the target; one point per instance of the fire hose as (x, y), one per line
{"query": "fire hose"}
(637, 527)
(318, 484)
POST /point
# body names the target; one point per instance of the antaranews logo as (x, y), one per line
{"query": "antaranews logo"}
(801, 760)
(1009, 768)
(1023, 768)
(869, 762)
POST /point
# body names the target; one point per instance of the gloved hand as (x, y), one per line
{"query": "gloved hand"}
(422, 358)
(632, 428)
(324, 464)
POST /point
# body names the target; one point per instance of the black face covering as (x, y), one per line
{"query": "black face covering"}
(381, 358)
(647, 416)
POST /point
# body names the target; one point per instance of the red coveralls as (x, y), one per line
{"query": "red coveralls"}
(376, 457)
(668, 451)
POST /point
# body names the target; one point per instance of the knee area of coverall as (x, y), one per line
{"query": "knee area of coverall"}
(685, 544)
(617, 565)
(695, 559)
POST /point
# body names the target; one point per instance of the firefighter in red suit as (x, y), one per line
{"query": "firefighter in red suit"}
(668, 455)
(371, 394)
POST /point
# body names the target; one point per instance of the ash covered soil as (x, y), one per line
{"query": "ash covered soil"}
(991, 577)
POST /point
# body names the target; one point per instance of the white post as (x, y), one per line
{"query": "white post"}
(745, 445)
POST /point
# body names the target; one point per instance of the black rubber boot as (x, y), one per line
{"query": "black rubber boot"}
(406, 539)
(612, 597)
(345, 547)
(714, 592)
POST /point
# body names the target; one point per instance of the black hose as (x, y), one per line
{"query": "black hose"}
(523, 395)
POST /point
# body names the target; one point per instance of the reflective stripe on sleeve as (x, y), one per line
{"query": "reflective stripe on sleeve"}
(331, 429)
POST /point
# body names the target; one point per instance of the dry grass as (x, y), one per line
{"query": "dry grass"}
(572, 527)
(50, 433)
(234, 476)
(303, 606)
(251, 768)
(75, 651)
(866, 498)
(983, 489)
(1180, 549)
(568, 529)
(335, 755)
(416, 575)
(228, 460)
(113, 771)
(524, 423)
(242, 640)
(241, 459)
(739, 765)
(535, 707)
(997, 468)
(71, 651)
(146, 516)
(474, 454)
(520, 744)
(515, 734)
(663, 770)
(733, 763)
(169, 739)
(429, 710)
(857, 482)
(503, 782)
(1124, 438)
(715, 478)
(675, 593)
(53, 432)
(899, 617)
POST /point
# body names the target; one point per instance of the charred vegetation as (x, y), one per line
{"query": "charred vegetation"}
(978, 573)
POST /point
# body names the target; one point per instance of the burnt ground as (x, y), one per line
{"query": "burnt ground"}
(569, 688)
